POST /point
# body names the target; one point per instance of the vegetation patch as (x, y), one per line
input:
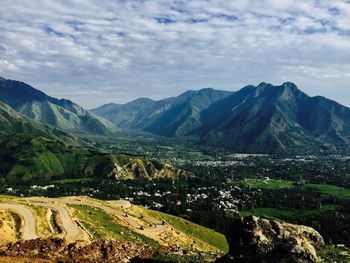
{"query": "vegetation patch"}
(199, 232)
(55, 222)
(286, 214)
(333, 254)
(18, 224)
(102, 226)
(333, 190)
(269, 184)
(73, 180)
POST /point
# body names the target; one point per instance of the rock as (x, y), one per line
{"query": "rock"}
(264, 240)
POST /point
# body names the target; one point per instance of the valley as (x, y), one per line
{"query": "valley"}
(180, 131)
(171, 193)
(307, 190)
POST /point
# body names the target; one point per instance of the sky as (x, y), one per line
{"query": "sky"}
(99, 51)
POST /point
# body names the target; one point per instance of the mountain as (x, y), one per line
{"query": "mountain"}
(27, 160)
(34, 152)
(176, 116)
(12, 122)
(274, 119)
(256, 119)
(59, 113)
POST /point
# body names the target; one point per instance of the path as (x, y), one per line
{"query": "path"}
(29, 225)
(73, 232)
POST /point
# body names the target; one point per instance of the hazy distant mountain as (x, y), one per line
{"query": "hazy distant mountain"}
(60, 113)
(169, 117)
(263, 118)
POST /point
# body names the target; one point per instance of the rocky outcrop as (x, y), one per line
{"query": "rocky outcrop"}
(262, 240)
(56, 250)
(131, 168)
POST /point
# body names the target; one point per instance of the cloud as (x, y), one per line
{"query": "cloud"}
(95, 52)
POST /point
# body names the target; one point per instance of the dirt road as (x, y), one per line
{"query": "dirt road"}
(73, 232)
(28, 228)
(156, 226)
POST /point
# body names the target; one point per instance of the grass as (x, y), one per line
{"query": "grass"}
(209, 236)
(72, 180)
(333, 254)
(54, 223)
(333, 190)
(49, 162)
(102, 226)
(270, 184)
(268, 212)
(40, 213)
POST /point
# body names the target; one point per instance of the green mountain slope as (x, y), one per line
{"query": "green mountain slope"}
(62, 114)
(33, 152)
(12, 122)
(26, 159)
(272, 119)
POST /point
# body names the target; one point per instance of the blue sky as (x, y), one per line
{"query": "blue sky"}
(99, 51)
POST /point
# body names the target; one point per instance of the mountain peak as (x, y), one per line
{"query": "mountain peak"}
(286, 84)
(286, 90)
(143, 100)
(263, 84)
(289, 84)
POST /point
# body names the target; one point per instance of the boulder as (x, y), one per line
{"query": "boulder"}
(255, 239)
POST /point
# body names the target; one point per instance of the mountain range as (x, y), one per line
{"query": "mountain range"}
(254, 119)
(257, 119)
(175, 116)
(59, 113)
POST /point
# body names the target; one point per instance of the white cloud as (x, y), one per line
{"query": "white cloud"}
(95, 52)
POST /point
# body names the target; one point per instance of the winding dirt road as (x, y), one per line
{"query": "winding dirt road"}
(28, 228)
(156, 226)
(73, 232)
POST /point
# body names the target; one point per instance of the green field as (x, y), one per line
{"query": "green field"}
(269, 184)
(330, 189)
(286, 213)
(333, 190)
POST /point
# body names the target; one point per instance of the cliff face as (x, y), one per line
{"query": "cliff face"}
(131, 168)
(263, 240)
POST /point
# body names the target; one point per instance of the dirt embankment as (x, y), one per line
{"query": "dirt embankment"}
(57, 250)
